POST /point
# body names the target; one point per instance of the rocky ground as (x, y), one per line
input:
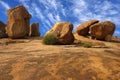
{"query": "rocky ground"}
(29, 59)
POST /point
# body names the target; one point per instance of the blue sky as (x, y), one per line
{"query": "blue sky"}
(47, 12)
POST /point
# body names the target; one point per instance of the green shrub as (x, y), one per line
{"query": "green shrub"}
(87, 45)
(49, 39)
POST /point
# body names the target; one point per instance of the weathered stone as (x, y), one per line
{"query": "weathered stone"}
(2, 30)
(63, 31)
(34, 30)
(83, 29)
(108, 38)
(102, 30)
(18, 22)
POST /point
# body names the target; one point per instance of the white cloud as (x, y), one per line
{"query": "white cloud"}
(27, 5)
(79, 7)
(117, 33)
(38, 14)
(48, 24)
(51, 11)
(37, 11)
(53, 18)
(57, 17)
(5, 5)
(113, 12)
(49, 3)
(85, 10)
(106, 5)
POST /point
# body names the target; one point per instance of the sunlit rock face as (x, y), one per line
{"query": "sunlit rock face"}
(83, 29)
(34, 30)
(18, 22)
(2, 30)
(63, 30)
(102, 30)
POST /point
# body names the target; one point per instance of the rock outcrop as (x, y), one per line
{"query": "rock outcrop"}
(83, 29)
(39, 62)
(102, 30)
(2, 30)
(18, 22)
(34, 30)
(63, 31)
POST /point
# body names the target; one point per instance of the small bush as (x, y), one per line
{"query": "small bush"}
(49, 39)
(87, 45)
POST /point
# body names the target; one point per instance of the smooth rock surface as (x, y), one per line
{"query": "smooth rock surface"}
(102, 30)
(18, 22)
(63, 31)
(2, 30)
(34, 30)
(83, 29)
(36, 61)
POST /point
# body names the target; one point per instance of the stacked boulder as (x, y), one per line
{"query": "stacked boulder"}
(2, 30)
(18, 22)
(83, 29)
(103, 30)
(63, 32)
(18, 26)
(34, 30)
(98, 30)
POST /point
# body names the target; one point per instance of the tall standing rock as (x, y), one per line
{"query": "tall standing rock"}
(2, 30)
(34, 30)
(83, 29)
(102, 30)
(63, 31)
(18, 22)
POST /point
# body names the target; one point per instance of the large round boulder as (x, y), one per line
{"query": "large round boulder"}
(63, 32)
(102, 30)
(34, 30)
(18, 22)
(83, 29)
